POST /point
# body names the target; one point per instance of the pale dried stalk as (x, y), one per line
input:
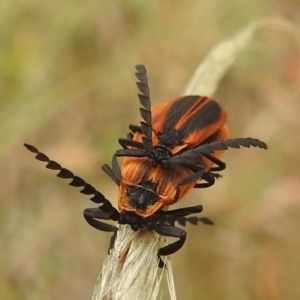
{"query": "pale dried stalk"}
(131, 270)
(207, 76)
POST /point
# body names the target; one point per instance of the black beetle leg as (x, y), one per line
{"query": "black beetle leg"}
(209, 178)
(170, 231)
(220, 164)
(199, 174)
(113, 172)
(93, 215)
(125, 143)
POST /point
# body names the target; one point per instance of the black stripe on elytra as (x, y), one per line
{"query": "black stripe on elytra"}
(177, 110)
(208, 115)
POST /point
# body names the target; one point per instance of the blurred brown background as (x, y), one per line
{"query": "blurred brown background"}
(67, 86)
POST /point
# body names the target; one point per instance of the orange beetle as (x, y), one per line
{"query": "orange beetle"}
(189, 132)
(175, 146)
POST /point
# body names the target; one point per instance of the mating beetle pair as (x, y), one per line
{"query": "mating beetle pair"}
(175, 146)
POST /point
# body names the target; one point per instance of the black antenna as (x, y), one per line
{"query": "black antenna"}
(206, 149)
(144, 98)
(76, 181)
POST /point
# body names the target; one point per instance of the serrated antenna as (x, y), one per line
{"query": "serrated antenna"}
(206, 149)
(145, 110)
(76, 181)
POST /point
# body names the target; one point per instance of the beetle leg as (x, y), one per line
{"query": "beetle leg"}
(220, 164)
(170, 231)
(131, 152)
(92, 216)
(114, 173)
(177, 215)
(199, 173)
(189, 179)
(125, 143)
(182, 212)
(106, 207)
(209, 178)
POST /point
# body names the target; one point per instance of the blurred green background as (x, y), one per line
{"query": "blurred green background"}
(67, 86)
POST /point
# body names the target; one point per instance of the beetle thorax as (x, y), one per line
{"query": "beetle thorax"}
(143, 195)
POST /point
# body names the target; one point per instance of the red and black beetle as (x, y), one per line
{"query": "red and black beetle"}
(190, 131)
(175, 147)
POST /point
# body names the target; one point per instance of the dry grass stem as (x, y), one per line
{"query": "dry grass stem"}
(207, 76)
(131, 270)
